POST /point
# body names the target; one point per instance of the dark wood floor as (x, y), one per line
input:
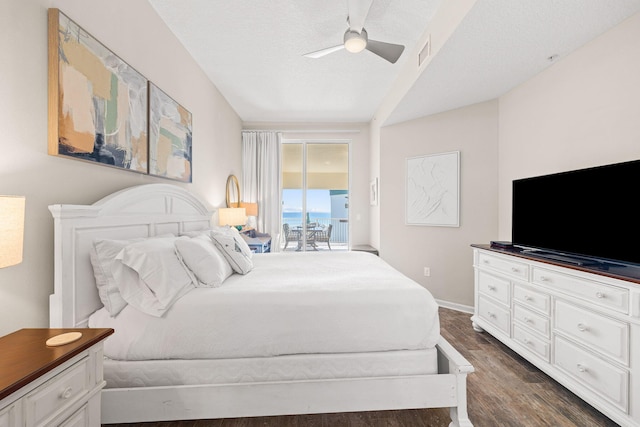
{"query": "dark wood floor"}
(505, 390)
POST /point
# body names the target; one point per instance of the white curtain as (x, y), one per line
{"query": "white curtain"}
(261, 180)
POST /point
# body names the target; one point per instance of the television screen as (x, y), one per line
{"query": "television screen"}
(589, 212)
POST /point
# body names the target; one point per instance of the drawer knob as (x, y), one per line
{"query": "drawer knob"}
(491, 314)
(600, 295)
(544, 279)
(581, 367)
(526, 341)
(527, 320)
(527, 298)
(515, 269)
(582, 327)
(66, 393)
(486, 261)
(491, 287)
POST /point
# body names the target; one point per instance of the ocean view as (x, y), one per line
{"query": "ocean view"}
(295, 218)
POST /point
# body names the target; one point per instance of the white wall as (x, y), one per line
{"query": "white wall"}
(446, 251)
(358, 136)
(134, 32)
(583, 111)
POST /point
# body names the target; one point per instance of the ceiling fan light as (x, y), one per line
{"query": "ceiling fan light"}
(355, 42)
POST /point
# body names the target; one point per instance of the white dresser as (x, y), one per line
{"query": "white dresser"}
(51, 386)
(578, 325)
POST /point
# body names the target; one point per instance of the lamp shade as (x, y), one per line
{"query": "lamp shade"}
(252, 208)
(232, 216)
(11, 230)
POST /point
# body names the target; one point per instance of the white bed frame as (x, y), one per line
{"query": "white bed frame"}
(154, 209)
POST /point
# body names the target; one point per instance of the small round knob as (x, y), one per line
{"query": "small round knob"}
(599, 295)
(66, 393)
(582, 327)
(581, 367)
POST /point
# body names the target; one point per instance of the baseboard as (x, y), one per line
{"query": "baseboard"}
(455, 306)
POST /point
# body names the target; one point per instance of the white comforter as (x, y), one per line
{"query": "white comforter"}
(288, 304)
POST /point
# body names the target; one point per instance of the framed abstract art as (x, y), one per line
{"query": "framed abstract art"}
(170, 151)
(433, 190)
(97, 102)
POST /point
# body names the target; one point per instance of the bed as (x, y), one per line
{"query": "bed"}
(274, 341)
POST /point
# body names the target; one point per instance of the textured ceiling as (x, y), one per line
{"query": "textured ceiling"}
(253, 52)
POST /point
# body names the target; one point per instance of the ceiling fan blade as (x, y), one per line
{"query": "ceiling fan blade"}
(323, 52)
(358, 11)
(389, 51)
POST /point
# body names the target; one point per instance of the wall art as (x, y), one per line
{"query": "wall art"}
(373, 192)
(170, 128)
(433, 190)
(97, 102)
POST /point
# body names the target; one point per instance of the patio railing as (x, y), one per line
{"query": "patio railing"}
(339, 231)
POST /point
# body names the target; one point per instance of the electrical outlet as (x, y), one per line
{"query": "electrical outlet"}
(427, 271)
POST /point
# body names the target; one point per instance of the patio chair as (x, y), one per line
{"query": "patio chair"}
(324, 236)
(290, 235)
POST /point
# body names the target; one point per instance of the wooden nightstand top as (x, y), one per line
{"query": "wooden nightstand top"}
(24, 356)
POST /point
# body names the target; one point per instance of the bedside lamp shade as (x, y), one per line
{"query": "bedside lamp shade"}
(11, 230)
(252, 208)
(232, 216)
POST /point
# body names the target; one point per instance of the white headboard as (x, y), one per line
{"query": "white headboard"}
(142, 211)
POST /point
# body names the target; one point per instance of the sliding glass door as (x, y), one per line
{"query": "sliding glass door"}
(315, 196)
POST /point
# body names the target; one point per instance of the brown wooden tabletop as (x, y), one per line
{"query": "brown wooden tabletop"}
(24, 356)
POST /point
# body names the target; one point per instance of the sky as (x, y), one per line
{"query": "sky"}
(317, 201)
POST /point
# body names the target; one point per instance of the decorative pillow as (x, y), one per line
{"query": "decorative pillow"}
(162, 278)
(204, 260)
(102, 254)
(234, 249)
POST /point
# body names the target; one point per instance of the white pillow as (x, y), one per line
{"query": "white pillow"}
(102, 254)
(234, 249)
(162, 278)
(204, 260)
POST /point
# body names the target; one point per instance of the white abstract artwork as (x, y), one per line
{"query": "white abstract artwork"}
(433, 190)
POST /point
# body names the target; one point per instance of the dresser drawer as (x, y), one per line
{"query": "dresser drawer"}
(603, 378)
(494, 314)
(513, 268)
(608, 336)
(533, 299)
(603, 295)
(9, 416)
(80, 418)
(495, 287)
(532, 320)
(57, 394)
(531, 342)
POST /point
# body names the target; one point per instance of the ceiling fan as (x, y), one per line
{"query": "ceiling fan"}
(356, 38)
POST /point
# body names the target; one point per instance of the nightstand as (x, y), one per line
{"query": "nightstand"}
(259, 244)
(51, 386)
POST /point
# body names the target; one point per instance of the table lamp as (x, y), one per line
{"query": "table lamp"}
(11, 230)
(236, 217)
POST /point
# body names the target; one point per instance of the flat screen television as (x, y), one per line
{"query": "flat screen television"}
(586, 215)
